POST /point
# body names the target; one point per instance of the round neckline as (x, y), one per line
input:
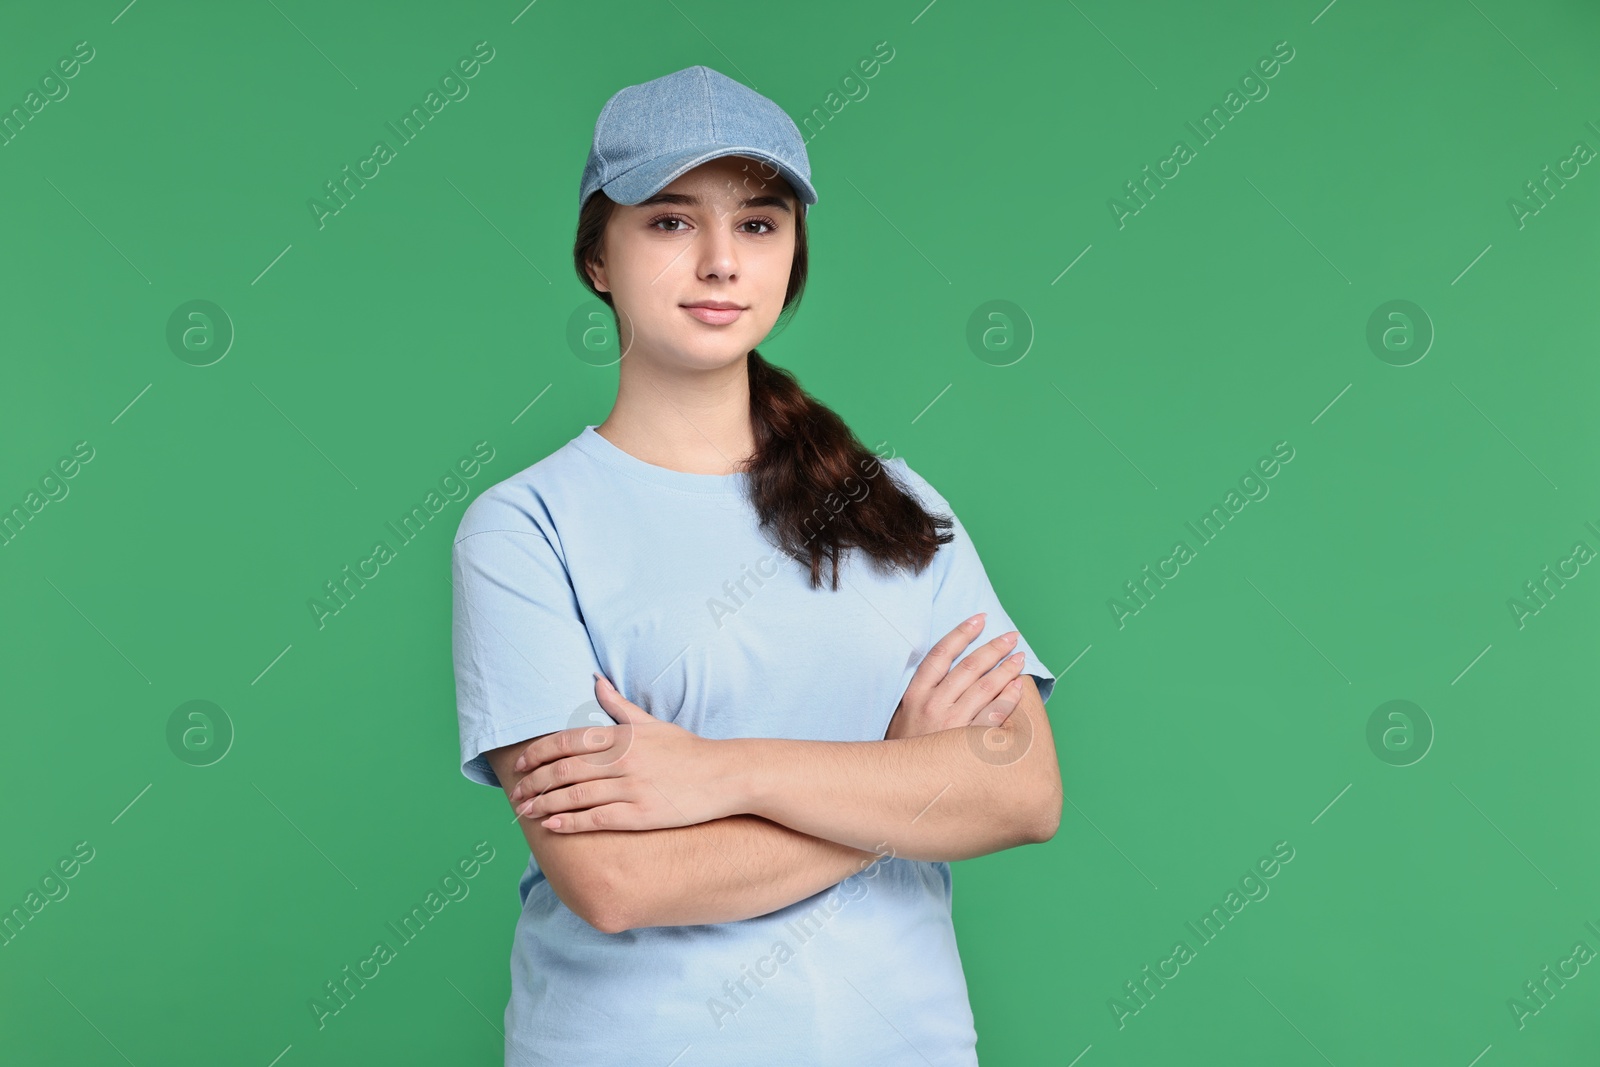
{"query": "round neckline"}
(594, 444)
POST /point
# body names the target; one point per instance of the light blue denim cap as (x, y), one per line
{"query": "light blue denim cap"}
(648, 135)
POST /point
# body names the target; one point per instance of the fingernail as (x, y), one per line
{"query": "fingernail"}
(972, 623)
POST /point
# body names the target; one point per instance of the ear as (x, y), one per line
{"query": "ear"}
(597, 274)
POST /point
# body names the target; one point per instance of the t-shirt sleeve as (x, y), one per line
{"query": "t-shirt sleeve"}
(961, 586)
(524, 664)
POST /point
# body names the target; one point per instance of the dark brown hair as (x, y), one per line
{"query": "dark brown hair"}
(807, 461)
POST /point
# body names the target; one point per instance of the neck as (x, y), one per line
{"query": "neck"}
(696, 422)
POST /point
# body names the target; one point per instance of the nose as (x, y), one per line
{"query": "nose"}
(718, 252)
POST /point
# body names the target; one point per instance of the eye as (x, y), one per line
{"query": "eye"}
(664, 224)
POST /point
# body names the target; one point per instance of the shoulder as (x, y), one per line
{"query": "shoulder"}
(525, 501)
(916, 484)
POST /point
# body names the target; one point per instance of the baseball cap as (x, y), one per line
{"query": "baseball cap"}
(647, 135)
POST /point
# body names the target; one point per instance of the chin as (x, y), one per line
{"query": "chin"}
(720, 356)
(710, 344)
(706, 357)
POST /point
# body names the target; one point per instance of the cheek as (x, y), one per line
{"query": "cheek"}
(775, 270)
(644, 292)
(765, 316)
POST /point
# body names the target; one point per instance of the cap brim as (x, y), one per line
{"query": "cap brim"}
(650, 178)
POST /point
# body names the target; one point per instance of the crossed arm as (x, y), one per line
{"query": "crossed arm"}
(731, 829)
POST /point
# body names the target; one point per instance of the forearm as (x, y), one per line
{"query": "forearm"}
(937, 797)
(719, 871)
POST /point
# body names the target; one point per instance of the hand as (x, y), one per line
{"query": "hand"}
(939, 698)
(642, 774)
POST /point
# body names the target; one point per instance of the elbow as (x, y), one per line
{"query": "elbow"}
(609, 920)
(598, 899)
(599, 907)
(605, 916)
(608, 910)
(1042, 819)
(1045, 827)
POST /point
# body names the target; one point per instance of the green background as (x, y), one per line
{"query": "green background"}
(1231, 313)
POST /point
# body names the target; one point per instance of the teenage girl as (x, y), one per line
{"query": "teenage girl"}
(712, 649)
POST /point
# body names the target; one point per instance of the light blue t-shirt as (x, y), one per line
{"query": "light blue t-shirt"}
(592, 559)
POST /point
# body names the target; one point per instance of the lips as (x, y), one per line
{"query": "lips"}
(715, 313)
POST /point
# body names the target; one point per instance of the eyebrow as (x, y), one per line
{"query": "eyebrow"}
(686, 200)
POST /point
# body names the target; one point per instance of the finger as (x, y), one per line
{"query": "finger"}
(616, 705)
(605, 817)
(974, 700)
(571, 798)
(975, 666)
(563, 772)
(574, 741)
(527, 755)
(1000, 708)
(936, 664)
(1004, 743)
(551, 746)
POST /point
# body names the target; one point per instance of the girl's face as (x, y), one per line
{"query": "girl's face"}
(722, 234)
